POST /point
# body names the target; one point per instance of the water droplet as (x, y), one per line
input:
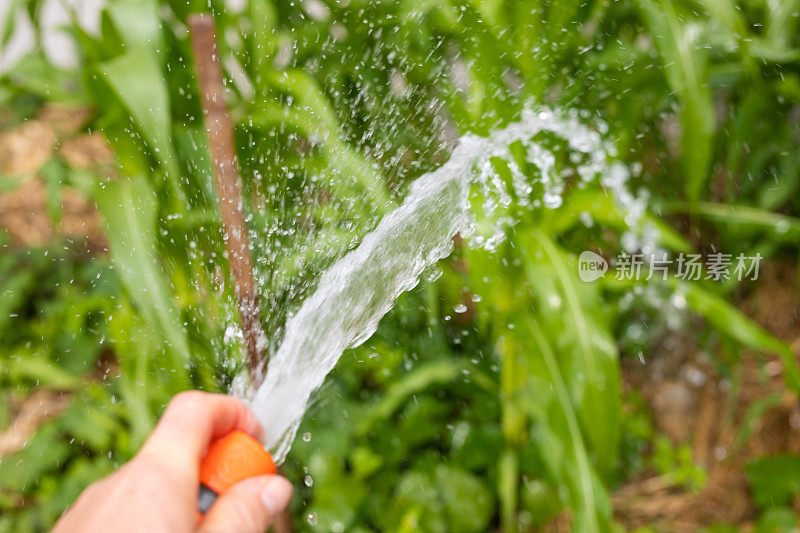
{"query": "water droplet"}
(460, 308)
(434, 274)
(720, 453)
(678, 300)
(308, 481)
(313, 519)
(307, 436)
(552, 200)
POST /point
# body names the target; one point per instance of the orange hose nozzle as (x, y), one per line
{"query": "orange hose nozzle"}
(234, 457)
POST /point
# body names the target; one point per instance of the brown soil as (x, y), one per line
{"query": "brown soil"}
(30, 413)
(23, 206)
(692, 403)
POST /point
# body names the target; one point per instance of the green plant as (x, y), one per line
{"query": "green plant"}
(676, 463)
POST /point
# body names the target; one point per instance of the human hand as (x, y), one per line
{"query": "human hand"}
(157, 489)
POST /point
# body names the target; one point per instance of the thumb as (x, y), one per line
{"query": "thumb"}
(249, 506)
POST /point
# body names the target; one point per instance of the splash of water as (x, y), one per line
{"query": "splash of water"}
(361, 287)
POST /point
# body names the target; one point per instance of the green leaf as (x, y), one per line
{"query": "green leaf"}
(313, 116)
(129, 209)
(264, 19)
(90, 424)
(777, 520)
(540, 499)
(7, 26)
(685, 60)
(36, 75)
(781, 25)
(781, 227)
(415, 505)
(561, 442)
(14, 291)
(596, 358)
(415, 381)
(468, 504)
(138, 22)
(337, 499)
(727, 14)
(604, 210)
(774, 481)
(136, 79)
(31, 368)
(365, 462)
(45, 452)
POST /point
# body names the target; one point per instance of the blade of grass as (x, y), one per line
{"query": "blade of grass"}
(592, 512)
(138, 83)
(600, 403)
(138, 22)
(685, 64)
(782, 227)
(129, 209)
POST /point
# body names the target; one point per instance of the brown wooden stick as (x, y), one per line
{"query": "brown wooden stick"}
(219, 128)
(229, 195)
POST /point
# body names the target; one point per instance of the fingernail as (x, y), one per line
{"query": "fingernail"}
(276, 494)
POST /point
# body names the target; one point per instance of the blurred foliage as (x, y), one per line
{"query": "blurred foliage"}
(489, 398)
(774, 480)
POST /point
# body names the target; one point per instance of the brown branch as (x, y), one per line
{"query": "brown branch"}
(219, 128)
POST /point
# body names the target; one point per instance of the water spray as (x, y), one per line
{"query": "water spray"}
(358, 289)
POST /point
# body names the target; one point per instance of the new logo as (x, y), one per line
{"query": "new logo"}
(591, 266)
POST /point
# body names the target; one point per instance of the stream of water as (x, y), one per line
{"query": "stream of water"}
(361, 287)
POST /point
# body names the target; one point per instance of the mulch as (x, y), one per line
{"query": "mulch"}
(24, 151)
(692, 402)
